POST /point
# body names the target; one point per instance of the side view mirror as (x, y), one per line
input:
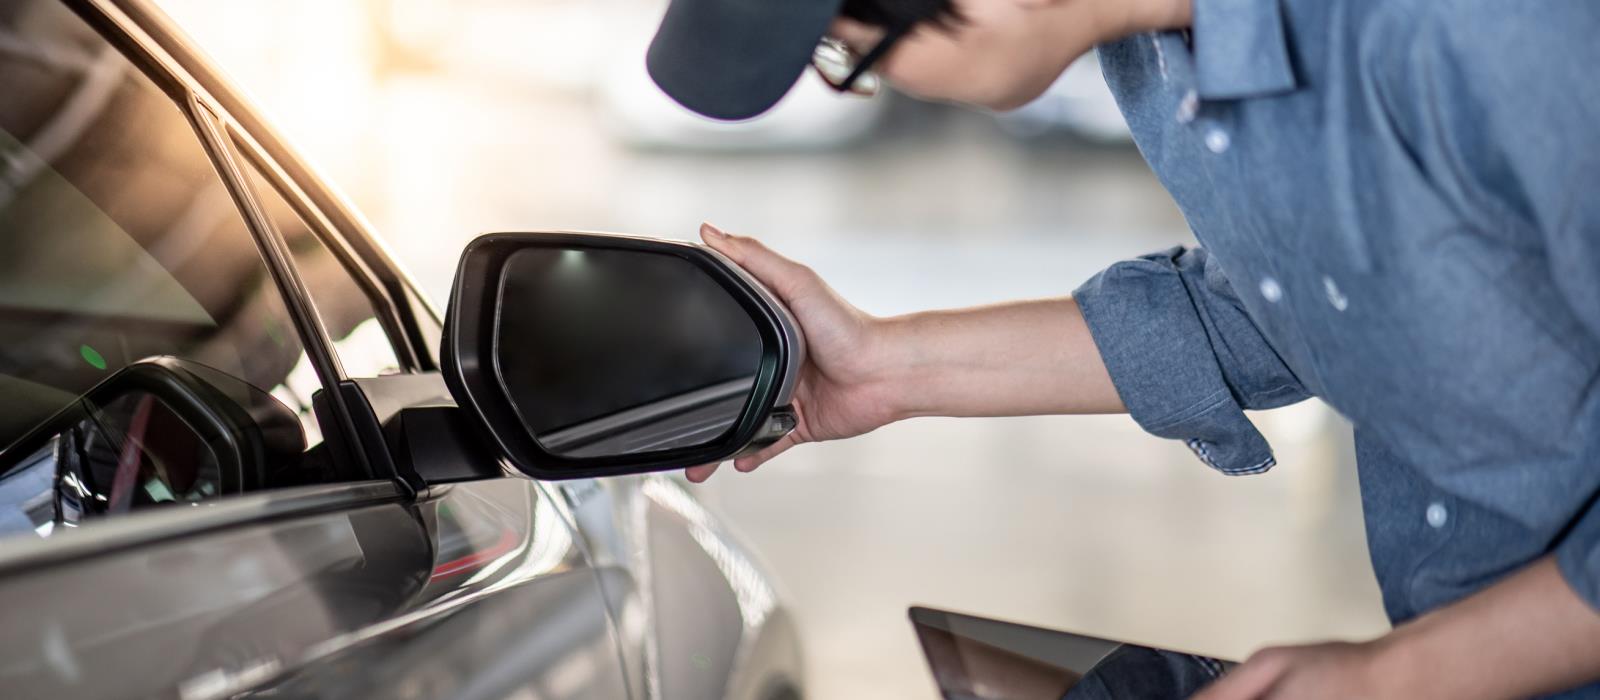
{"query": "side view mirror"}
(159, 431)
(590, 355)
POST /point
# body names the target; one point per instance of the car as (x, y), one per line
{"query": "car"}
(242, 456)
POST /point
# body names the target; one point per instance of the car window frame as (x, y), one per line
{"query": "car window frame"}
(230, 128)
(385, 308)
(416, 315)
(314, 338)
(375, 483)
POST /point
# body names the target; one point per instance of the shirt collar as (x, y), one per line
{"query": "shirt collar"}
(1241, 49)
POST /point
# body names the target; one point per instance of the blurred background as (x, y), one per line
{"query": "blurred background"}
(443, 120)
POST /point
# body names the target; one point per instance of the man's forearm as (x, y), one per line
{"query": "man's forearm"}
(1021, 358)
(1527, 635)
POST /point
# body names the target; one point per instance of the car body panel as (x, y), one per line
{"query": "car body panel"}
(694, 607)
(478, 588)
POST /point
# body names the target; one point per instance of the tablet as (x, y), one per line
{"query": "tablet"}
(978, 658)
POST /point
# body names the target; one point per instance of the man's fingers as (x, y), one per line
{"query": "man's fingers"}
(700, 472)
(783, 276)
(749, 463)
(1252, 680)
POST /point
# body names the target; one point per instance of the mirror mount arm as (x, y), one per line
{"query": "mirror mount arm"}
(435, 444)
(780, 422)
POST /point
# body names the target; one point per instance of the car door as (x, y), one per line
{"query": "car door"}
(196, 498)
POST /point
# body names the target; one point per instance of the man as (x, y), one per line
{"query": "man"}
(1399, 208)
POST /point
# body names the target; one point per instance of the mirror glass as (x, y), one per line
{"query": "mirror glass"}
(610, 352)
(132, 453)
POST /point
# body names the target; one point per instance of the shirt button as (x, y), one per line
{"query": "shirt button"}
(1437, 515)
(1189, 107)
(1271, 290)
(1217, 140)
(1335, 297)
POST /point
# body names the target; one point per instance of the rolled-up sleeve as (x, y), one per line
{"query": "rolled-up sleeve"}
(1185, 357)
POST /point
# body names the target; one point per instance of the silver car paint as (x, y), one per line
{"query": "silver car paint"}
(694, 607)
(375, 601)
(283, 605)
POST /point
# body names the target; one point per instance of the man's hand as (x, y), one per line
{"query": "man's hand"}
(1525, 636)
(861, 372)
(1334, 671)
(844, 388)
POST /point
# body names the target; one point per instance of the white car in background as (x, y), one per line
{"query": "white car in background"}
(813, 116)
(1079, 102)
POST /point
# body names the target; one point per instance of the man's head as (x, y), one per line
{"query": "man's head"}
(733, 59)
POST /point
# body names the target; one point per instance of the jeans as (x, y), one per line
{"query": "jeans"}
(1141, 673)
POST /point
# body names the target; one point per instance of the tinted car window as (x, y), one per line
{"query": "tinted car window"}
(120, 245)
(133, 452)
(344, 307)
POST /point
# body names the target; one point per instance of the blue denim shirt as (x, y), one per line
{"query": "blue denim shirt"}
(1398, 203)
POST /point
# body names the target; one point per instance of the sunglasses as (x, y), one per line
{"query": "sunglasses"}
(846, 72)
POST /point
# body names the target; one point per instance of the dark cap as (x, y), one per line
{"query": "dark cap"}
(734, 59)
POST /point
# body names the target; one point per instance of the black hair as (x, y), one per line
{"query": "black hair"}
(901, 13)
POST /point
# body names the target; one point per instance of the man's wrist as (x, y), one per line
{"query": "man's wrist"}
(1409, 662)
(893, 366)
(1393, 663)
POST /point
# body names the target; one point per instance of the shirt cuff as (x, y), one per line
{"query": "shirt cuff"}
(1142, 315)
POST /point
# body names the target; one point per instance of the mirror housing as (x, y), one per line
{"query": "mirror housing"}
(539, 323)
